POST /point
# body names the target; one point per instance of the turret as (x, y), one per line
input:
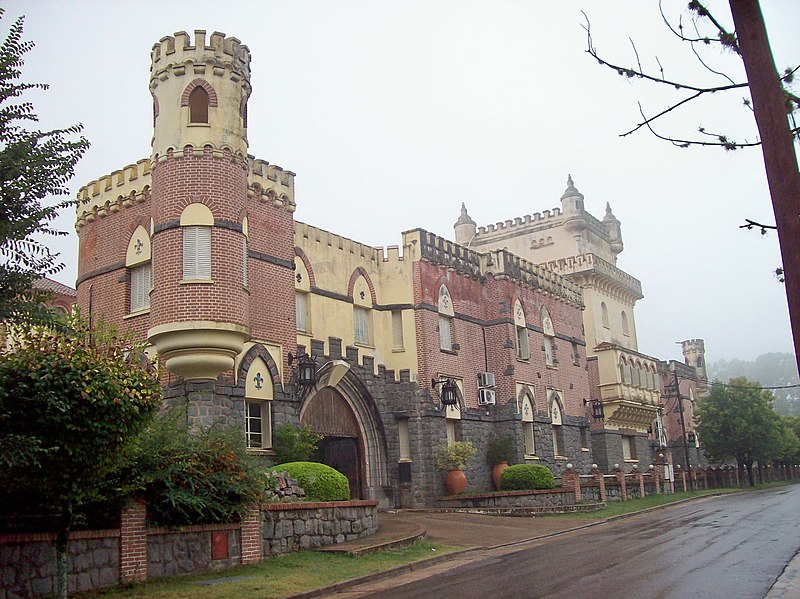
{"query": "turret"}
(465, 228)
(614, 229)
(199, 305)
(572, 207)
(694, 355)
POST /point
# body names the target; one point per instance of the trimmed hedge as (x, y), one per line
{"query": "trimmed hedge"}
(526, 477)
(320, 482)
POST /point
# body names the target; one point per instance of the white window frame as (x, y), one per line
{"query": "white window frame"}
(523, 347)
(301, 312)
(445, 332)
(264, 420)
(361, 328)
(196, 253)
(141, 284)
(397, 331)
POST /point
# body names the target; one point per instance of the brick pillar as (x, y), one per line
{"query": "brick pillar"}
(252, 538)
(133, 543)
(637, 476)
(655, 478)
(601, 483)
(682, 474)
(571, 481)
(621, 480)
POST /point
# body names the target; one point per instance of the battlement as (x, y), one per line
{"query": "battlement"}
(501, 263)
(108, 194)
(221, 53)
(528, 219)
(592, 264)
(304, 231)
(270, 183)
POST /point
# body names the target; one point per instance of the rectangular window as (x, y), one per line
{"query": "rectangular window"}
(141, 282)
(453, 430)
(548, 351)
(523, 352)
(584, 438)
(405, 446)
(361, 325)
(628, 448)
(244, 262)
(397, 329)
(576, 356)
(258, 424)
(196, 253)
(530, 445)
(558, 440)
(445, 333)
(301, 310)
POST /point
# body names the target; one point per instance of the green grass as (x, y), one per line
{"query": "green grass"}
(617, 508)
(276, 577)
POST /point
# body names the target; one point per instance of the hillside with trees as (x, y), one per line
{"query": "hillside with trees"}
(771, 370)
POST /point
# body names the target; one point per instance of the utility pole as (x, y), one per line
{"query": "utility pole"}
(683, 426)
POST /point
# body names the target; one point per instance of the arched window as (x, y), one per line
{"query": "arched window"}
(604, 314)
(555, 419)
(446, 314)
(196, 222)
(362, 312)
(137, 260)
(521, 329)
(549, 338)
(258, 405)
(528, 432)
(625, 330)
(198, 105)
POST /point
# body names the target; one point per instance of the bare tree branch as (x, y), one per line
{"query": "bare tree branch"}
(751, 224)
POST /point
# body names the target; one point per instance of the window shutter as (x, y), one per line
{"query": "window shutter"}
(141, 282)
(244, 261)
(196, 253)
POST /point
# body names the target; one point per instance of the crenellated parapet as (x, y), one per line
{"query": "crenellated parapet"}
(546, 218)
(179, 54)
(270, 183)
(107, 195)
(602, 273)
(500, 263)
(343, 244)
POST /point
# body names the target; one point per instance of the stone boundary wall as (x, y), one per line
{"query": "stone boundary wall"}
(102, 558)
(507, 499)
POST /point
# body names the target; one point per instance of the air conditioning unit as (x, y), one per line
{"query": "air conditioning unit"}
(485, 379)
(486, 397)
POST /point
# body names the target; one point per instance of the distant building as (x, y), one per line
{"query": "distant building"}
(196, 250)
(573, 243)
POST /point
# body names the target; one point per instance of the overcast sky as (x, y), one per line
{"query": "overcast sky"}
(394, 113)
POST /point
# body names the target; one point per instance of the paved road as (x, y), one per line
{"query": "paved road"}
(727, 547)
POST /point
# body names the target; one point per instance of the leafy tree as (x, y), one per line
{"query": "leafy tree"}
(192, 477)
(294, 443)
(737, 421)
(35, 167)
(69, 403)
(773, 370)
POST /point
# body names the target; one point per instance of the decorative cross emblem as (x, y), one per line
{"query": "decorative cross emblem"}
(259, 380)
(362, 295)
(139, 245)
(299, 277)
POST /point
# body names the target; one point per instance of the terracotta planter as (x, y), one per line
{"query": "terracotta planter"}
(456, 482)
(498, 469)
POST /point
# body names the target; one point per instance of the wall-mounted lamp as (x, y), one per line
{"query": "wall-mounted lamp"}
(691, 436)
(305, 373)
(597, 408)
(448, 392)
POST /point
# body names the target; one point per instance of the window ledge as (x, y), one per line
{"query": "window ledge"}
(367, 345)
(199, 125)
(631, 461)
(531, 456)
(267, 451)
(196, 282)
(450, 352)
(397, 350)
(586, 449)
(137, 313)
(304, 333)
(524, 360)
(561, 458)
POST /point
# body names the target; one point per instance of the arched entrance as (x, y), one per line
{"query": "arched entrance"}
(354, 439)
(328, 413)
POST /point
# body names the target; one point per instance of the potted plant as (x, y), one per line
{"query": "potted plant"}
(499, 452)
(452, 458)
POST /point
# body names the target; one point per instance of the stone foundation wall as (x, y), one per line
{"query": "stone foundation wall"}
(170, 553)
(508, 499)
(290, 527)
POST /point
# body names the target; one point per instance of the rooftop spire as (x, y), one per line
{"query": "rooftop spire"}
(464, 219)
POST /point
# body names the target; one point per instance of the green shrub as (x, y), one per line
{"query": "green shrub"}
(454, 456)
(320, 482)
(292, 443)
(195, 477)
(526, 477)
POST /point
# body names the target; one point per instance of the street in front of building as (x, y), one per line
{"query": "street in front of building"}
(728, 546)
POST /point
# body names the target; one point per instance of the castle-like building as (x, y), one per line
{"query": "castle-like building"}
(196, 250)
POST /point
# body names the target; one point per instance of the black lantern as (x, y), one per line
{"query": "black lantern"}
(597, 408)
(691, 436)
(306, 369)
(448, 392)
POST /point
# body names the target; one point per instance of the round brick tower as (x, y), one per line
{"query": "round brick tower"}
(694, 355)
(199, 310)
